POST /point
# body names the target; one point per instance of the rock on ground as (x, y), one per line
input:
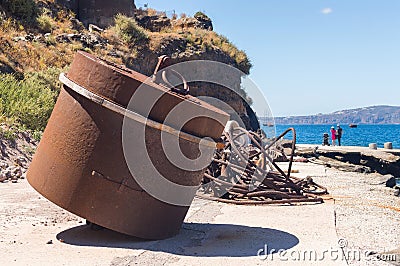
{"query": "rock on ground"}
(15, 156)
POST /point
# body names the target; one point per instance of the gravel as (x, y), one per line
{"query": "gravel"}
(367, 212)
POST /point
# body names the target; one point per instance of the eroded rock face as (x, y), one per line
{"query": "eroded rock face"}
(99, 12)
(5, 68)
(157, 22)
(188, 22)
(204, 21)
(153, 23)
(180, 51)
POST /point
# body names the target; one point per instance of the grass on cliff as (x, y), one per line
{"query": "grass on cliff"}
(23, 17)
(206, 39)
(28, 102)
(129, 31)
(212, 39)
(22, 9)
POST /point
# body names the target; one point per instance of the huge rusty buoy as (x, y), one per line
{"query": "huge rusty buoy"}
(80, 163)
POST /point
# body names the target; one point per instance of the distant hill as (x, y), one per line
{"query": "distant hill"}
(367, 115)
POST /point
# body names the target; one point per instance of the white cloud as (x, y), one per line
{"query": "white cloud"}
(326, 10)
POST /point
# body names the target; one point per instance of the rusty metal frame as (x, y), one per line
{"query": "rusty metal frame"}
(277, 187)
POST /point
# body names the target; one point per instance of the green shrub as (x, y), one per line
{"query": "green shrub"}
(51, 40)
(29, 101)
(8, 134)
(45, 23)
(23, 9)
(47, 78)
(200, 15)
(129, 31)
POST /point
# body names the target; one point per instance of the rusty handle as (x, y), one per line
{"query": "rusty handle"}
(163, 62)
(183, 91)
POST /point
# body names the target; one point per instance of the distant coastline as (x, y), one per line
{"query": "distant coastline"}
(372, 115)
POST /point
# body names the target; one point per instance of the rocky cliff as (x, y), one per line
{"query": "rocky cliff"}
(99, 12)
(192, 38)
(367, 115)
(51, 34)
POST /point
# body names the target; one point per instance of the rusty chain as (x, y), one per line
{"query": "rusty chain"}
(244, 171)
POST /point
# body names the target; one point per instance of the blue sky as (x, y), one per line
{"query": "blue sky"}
(311, 56)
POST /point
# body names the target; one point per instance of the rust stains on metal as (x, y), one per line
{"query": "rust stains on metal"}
(80, 164)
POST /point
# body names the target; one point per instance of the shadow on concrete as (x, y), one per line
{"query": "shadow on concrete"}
(194, 239)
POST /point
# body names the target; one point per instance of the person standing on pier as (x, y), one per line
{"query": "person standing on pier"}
(339, 132)
(333, 133)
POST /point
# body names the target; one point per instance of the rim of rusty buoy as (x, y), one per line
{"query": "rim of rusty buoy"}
(131, 114)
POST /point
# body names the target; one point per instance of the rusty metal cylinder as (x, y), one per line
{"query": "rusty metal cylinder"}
(80, 163)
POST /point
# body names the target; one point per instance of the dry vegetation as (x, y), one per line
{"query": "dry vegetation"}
(25, 56)
(50, 18)
(212, 39)
(129, 31)
(28, 95)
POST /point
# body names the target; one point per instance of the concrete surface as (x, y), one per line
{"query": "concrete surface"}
(349, 148)
(213, 233)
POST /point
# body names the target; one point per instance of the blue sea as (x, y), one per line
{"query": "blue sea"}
(363, 135)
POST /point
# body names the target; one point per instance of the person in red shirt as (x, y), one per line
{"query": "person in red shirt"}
(333, 133)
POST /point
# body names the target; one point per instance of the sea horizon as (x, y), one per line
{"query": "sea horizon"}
(362, 136)
(344, 125)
